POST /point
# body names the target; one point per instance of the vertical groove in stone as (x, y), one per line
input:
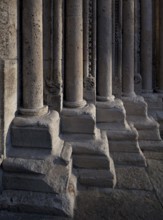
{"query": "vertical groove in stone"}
(128, 48)
(32, 55)
(74, 54)
(146, 45)
(89, 16)
(104, 76)
(160, 79)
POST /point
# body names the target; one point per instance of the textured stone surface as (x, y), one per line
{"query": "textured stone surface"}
(155, 171)
(8, 99)
(131, 177)
(79, 120)
(39, 203)
(36, 132)
(118, 204)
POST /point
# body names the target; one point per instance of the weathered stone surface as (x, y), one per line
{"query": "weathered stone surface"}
(91, 161)
(4, 215)
(110, 112)
(123, 158)
(79, 120)
(37, 132)
(135, 105)
(50, 177)
(118, 204)
(155, 171)
(153, 155)
(74, 54)
(134, 178)
(97, 178)
(8, 99)
(66, 153)
(8, 29)
(104, 47)
(39, 203)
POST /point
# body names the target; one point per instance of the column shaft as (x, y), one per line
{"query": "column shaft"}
(74, 54)
(32, 55)
(104, 76)
(128, 48)
(146, 45)
(86, 38)
(160, 78)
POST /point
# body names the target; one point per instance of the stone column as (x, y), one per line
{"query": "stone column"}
(128, 49)
(32, 58)
(104, 62)
(74, 54)
(146, 45)
(160, 78)
(86, 38)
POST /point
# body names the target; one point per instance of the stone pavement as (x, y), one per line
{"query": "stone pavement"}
(138, 195)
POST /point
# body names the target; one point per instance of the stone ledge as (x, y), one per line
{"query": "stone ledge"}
(39, 203)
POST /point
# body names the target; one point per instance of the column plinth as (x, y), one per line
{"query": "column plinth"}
(104, 76)
(128, 49)
(74, 55)
(32, 59)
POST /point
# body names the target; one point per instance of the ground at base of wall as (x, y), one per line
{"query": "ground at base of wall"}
(134, 198)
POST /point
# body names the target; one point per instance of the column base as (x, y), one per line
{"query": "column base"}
(122, 137)
(34, 112)
(37, 132)
(38, 186)
(147, 127)
(92, 163)
(110, 112)
(79, 104)
(105, 98)
(37, 172)
(78, 120)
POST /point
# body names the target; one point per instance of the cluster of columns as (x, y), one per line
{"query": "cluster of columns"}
(73, 77)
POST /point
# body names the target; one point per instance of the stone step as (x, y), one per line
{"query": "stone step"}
(133, 159)
(37, 203)
(156, 146)
(124, 146)
(135, 106)
(147, 127)
(7, 215)
(96, 178)
(51, 176)
(91, 162)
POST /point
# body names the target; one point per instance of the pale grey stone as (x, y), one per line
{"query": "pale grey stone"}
(50, 177)
(37, 132)
(66, 153)
(78, 120)
(8, 99)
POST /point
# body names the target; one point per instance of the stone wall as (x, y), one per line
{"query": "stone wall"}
(8, 67)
